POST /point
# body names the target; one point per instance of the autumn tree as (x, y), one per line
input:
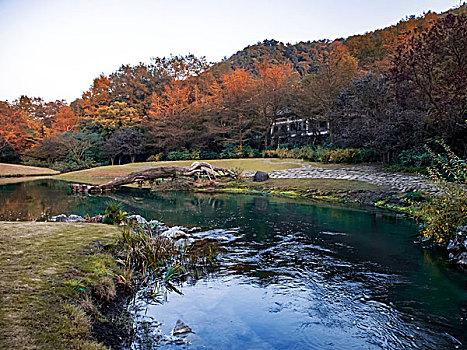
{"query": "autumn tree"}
(39, 115)
(14, 127)
(169, 118)
(319, 90)
(134, 85)
(272, 94)
(237, 106)
(97, 96)
(117, 115)
(65, 120)
(431, 68)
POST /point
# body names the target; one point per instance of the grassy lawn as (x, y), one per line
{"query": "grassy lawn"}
(35, 259)
(100, 175)
(320, 184)
(302, 186)
(7, 170)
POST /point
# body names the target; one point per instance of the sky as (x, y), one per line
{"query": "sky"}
(54, 48)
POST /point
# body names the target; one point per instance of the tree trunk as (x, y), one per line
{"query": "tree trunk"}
(197, 169)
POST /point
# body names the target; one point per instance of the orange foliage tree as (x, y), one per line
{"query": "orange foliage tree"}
(273, 88)
(14, 127)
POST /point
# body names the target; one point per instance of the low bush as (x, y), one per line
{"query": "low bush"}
(179, 155)
(447, 210)
(414, 159)
(325, 155)
(155, 157)
(208, 155)
(232, 151)
(114, 213)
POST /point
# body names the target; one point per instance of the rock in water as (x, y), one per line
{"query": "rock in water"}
(181, 328)
(175, 233)
(260, 176)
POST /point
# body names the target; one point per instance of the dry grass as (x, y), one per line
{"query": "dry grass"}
(100, 175)
(34, 257)
(7, 170)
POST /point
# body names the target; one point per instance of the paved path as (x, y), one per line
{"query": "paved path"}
(370, 174)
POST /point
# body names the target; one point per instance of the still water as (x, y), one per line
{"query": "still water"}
(297, 275)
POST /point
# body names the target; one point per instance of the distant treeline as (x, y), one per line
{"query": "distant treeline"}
(391, 90)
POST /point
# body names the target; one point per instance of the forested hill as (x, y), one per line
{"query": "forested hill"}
(373, 49)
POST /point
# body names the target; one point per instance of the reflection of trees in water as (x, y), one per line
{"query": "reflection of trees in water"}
(28, 200)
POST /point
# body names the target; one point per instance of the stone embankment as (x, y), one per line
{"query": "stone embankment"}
(370, 174)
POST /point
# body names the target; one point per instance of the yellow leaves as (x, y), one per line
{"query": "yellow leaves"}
(118, 115)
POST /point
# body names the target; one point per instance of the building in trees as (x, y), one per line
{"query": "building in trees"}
(292, 129)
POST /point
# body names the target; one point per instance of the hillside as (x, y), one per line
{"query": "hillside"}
(373, 49)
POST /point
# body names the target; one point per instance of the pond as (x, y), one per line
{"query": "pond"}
(298, 275)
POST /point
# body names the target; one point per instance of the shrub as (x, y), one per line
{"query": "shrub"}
(348, 155)
(114, 213)
(155, 157)
(232, 151)
(195, 155)
(208, 155)
(179, 155)
(414, 159)
(447, 210)
(237, 174)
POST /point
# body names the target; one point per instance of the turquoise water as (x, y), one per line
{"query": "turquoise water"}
(298, 275)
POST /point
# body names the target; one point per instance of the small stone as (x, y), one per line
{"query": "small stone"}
(181, 328)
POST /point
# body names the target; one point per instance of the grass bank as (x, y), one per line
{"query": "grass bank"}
(46, 270)
(333, 190)
(16, 170)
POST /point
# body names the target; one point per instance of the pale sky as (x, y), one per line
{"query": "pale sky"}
(54, 48)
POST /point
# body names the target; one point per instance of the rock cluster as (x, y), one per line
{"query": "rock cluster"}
(457, 247)
(64, 218)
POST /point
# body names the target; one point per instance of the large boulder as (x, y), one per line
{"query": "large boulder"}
(260, 176)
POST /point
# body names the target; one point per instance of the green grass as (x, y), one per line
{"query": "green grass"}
(101, 175)
(37, 308)
(321, 189)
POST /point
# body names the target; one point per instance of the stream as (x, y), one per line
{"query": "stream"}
(292, 275)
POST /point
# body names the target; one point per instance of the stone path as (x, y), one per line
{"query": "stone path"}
(370, 174)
